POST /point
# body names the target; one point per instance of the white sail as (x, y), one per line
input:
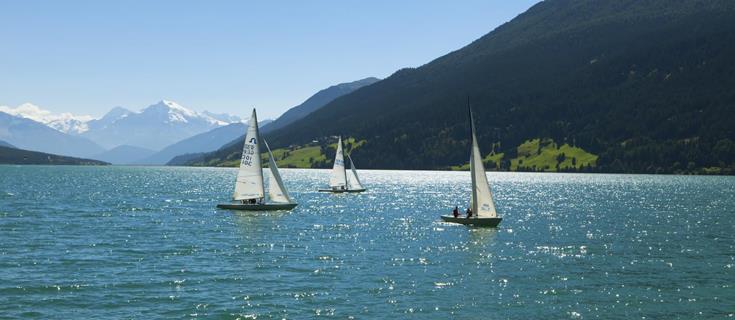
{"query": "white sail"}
(276, 190)
(249, 183)
(353, 182)
(338, 179)
(481, 201)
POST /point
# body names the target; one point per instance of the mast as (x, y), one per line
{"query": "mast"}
(344, 169)
(339, 174)
(473, 202)
(249, 183)
(482, 204)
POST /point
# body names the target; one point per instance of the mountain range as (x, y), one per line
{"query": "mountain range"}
(35, 136)
(154, 127)
(64, 122)
(313, 103)
(642, 86)
(121, 136)
(154, 135)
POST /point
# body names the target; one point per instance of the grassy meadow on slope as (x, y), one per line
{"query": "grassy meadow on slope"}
(540, 155)
(317, 154)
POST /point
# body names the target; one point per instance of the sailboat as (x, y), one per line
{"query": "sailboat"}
(249, 186)
(340, 181)
(481, 199)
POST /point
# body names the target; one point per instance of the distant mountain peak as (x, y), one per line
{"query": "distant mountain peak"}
(180, 114)
(117, 112)
(224, 117)
(154, 127)
(64, 122)
(177, 107)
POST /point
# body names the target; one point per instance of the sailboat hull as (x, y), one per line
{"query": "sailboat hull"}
(342, 191)
(257, 207)
(476, 222)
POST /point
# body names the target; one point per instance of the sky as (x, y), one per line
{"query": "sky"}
(86, 57)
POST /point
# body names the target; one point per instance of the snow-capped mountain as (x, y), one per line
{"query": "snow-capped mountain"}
(110, 117)
(177, 113)
(29, 134)
(228, 118)
(154, 127)
(64, 122)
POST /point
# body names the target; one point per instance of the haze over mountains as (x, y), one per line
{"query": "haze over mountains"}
(35, 136)
(120, 136)
(313, 103)
(203, 142)
(152, 136)
(154, 127)
(64, 122)
(124, 154)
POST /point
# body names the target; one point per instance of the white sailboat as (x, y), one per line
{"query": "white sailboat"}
(249, 187)
(340, 181)
(481, 199)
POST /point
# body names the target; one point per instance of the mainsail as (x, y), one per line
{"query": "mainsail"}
(353, 181)
(249, 183)
(338, 178)
(276, 190)
(481, 201)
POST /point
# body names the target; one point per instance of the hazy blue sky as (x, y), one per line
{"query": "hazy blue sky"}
(86, 57)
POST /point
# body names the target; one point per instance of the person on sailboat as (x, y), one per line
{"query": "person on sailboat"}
(455, 212)
(469, 213)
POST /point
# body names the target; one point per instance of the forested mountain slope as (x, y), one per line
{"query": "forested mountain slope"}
(647, 86)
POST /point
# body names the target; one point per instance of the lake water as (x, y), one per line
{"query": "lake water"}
(139, 242)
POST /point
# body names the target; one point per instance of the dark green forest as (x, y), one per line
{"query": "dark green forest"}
(648, 86)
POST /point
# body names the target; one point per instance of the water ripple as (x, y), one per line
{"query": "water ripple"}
(136, 242)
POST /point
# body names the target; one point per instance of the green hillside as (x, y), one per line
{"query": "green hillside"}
(644, 85)
(540, 155)
(546, 155)
(312, 155)
(19, 156)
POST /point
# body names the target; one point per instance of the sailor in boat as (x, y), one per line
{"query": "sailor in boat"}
(455, 212)
(469, 213)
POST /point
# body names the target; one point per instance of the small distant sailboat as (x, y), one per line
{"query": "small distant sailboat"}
(340, 181)
(249, 186)
(481, 199)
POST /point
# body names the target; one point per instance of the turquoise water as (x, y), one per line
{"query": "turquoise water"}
(137, 242)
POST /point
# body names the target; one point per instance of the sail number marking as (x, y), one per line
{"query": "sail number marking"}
(247, 155)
